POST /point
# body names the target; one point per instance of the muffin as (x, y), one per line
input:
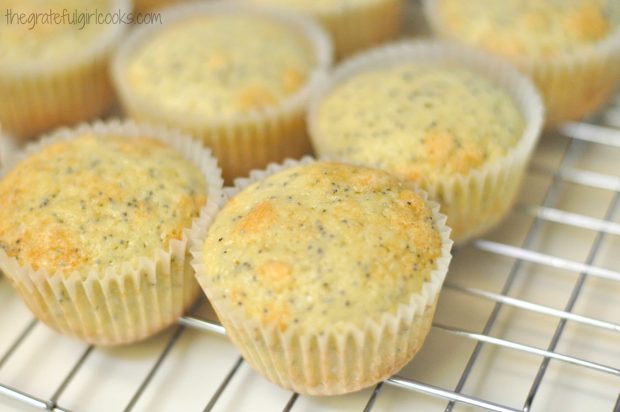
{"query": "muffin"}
(570, 48)
(325, 275)
(237, 77)
(93, 228)
(353, 25)
(460, 124)
(55, 72)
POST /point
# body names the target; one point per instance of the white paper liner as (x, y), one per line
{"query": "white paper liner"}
(573, 85)
(62, 92)
(359, 25)
(130, 300)
(339, 360)
(477, 201)
(7, 148)
(244, 142)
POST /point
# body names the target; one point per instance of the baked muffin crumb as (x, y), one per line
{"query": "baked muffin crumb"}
(92, 202)
(317, 245)
(422, 121)
(519, 28)
(221, 65)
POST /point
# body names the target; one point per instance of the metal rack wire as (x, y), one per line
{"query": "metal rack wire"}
(575, 140)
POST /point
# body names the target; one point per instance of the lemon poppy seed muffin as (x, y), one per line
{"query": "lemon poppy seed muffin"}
(325, 275)
(40, 41)
(54, 68)
(571, 48)
(517, 28)
(236, 77)
(63, 205)
(446, 119)
(220, 79)
(92, 231)
(353, 25)
(296, 230)
(422, 121)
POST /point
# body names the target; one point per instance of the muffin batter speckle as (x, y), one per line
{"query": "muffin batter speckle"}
(530, 27)
(221, 65)
(91, 202)
(421, 121)
(314, 245)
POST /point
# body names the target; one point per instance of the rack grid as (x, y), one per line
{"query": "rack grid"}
(527, 320)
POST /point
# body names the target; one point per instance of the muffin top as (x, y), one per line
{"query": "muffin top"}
(529, 27)
(35, 31)
(321, 245)
(92, 202)
(221, 65)
(422, 121)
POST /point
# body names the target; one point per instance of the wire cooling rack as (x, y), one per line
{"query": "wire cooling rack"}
(529, 319)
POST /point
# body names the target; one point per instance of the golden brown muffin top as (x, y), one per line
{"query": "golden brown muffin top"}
(422, 121)
(321, 245)
(221, 65)
(93, 202)
(529, 27)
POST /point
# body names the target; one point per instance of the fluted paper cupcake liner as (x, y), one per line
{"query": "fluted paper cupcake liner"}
(48, 94)
(130, 300)
(474, 202)
(573, 85)
(338, 359)
(243, 142)
(7, 148)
